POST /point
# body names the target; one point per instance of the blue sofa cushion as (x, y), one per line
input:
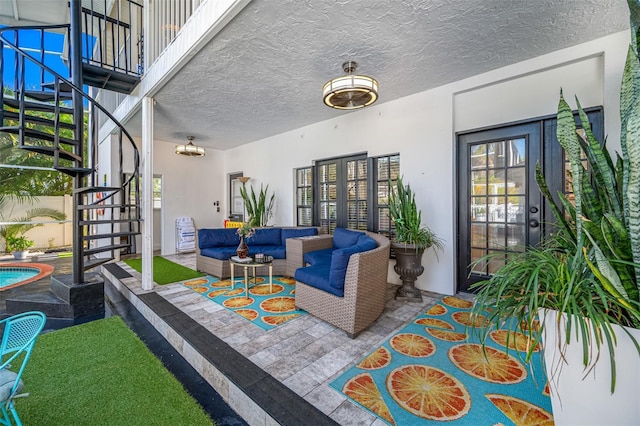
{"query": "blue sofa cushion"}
(220, 253)
(278, 252)
(297, 232)
(340, 261)
(217, 237)
(319, 257)
(264, 237)
(343, 238)
(318, 277)
(366, 242)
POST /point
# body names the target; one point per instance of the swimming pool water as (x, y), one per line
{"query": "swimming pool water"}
(9, 276)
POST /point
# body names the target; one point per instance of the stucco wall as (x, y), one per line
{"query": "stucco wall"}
(422, 129)
(49, 235)
(190, 185)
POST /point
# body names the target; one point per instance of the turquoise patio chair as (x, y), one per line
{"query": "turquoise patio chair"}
(18, 338)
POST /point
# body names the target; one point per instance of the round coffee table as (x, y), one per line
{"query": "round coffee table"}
(253, 264)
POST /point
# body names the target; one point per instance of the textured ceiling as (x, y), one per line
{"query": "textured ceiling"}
(263, 74)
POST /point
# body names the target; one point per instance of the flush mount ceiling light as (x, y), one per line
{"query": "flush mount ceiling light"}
(190, 149)
(351, 91)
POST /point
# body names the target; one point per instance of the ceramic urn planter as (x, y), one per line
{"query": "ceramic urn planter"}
(409, 267)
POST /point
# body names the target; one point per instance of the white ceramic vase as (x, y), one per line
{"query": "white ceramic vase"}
(20, 255)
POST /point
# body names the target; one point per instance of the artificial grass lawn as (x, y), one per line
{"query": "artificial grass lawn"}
(166, 271)
(101, 373)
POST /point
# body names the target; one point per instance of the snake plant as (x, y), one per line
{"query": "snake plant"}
(407, 219)
(590, 267)
(259, 209)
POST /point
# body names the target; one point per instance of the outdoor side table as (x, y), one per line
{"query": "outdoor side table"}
(253, 264)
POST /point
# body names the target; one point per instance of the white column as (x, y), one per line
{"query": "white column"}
(147, 193)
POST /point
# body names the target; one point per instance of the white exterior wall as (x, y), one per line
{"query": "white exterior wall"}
(422, 129)
(190, 185)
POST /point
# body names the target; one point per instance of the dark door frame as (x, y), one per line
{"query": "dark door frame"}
(551, 161)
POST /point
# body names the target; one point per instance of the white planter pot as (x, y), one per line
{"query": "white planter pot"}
(20, 254)
(582, 396)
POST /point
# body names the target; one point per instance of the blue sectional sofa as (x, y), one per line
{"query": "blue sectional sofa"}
(217, 245)
(344, 281)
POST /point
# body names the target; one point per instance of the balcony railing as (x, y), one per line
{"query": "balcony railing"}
(112, 39)
(167, 19)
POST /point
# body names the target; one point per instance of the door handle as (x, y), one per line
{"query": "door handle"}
(534, 223)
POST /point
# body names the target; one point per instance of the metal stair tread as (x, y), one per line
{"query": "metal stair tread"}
(93, 189)
(110, 235)
(36, 106)
(92, 263)
(98, 206)
(74, 171)
(45, 96)
(12, 115)
(33, 133)
(64, 86)
(101, 249)
(107, 221)
(49, 150)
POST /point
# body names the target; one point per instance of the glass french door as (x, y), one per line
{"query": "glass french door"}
(500, 208)
(341, 185)
(500, 204)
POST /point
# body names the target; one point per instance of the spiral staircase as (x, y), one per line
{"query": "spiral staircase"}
(47, 118)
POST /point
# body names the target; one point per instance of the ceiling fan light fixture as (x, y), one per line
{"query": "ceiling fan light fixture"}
(190, 149)
(351, 91)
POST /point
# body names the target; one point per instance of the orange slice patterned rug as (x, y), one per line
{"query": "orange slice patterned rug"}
(432, 371)
(266, 306)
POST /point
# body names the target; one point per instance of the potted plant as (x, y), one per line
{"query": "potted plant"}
(411, 239)
(259, 209)
(579, 292)
(14, 231)
(19, 246)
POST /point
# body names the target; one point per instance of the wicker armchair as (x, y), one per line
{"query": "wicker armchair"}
(364, 286)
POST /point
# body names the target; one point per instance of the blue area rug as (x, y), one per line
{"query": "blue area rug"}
(431, 372)
(265, 307)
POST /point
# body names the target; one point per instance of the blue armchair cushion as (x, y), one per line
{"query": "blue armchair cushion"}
(366, 242)
(217, 237)
(343, 238)
(264, 237)
(340, 260)
(319, 257)
(220, 253)
(297, 232)
(318, 277)
(278, 252)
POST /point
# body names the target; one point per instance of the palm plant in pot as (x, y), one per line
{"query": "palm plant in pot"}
(411, 239)
(19, 246)
(579, 293)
